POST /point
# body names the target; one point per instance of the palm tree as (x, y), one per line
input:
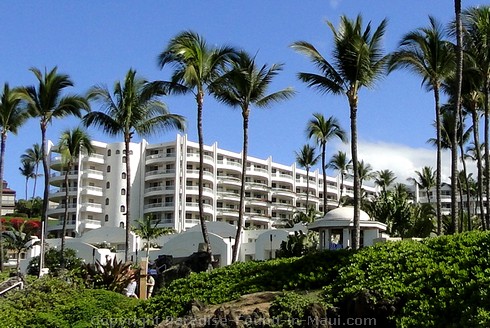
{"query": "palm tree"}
(27, 170)
(476, 27)
(245, 85)
(148, 229)
(196, 65)
(384, 179)
(358, 62)
(45, 103)
(324, 130)
(72, 143)
(19, 240)
(34, 155)
(425, 179)
(339, 163)
(133, 107)
(426, 53)
(365, 172)
(12, 116)
(306, 158)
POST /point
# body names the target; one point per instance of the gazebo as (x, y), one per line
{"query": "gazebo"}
(336, 228)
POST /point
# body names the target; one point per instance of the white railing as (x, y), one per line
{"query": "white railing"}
(19, 285)
(166, 171)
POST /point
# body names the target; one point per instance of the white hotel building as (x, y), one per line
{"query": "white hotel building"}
(164, 180)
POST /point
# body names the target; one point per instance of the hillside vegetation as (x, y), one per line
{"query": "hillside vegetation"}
(439, 282)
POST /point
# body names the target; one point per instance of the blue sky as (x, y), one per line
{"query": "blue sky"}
(96, 42)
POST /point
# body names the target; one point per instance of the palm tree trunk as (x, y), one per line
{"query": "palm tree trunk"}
(487, 157)
(44, 218)
(324, 150)
(204, 229)
(307, 187)
(341, 187)
(127, 140)
(35, 182)
(355, 164)
(2, 156)
(65, 218)
(438, 161)
(236, 247)
(476, 141)
(457, 114)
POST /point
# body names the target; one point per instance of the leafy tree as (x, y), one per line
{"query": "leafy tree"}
(339, 163)
(323, 130)
(71, 144)
(384, 179)
(12, 116)
(18, 240)
(148, 229)
(196, 67)
(310, 215)
(53, 261)
(35, 156)
(306, 158)
(45, 103)
(133, 107)
(358, 61)
(244, 86)
(32, 207)
(428, 54)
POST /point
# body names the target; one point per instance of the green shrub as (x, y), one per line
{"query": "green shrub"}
(289, 309)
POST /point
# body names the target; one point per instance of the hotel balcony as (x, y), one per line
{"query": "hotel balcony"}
(257, 172)
(93, 174)
(60, 209)
(93, 158)
(60, 193)
(91, 207)
(236, 167)
(280, 207)
(58, 178)
(281, 177)
(228, 196)
(283, 192)
(159, 174)
(158, 207)
(194, 174)
(227, 213)
(229, 180)
(54, 225)
(92, 191)
(194, 157)
(194, 190)
(191, 206)
(91, 224)
(158, 158)
(159, 190)
(257, 202)
(256, 186)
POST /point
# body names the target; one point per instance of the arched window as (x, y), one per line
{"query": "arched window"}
(123, 175)
(107, 201)
(106, 218)
(124, 159)
(121, 225)
(118, 152)
(123, 191)
(107, 185)
(108, 152)
(108, 168)
(123, 208)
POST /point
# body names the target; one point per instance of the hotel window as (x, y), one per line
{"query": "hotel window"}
(106, 218)
(123, 191)
(107, 185)
(123, 208)
(124, 159)
(108, 152)
(108, 168)
(118, 152)
(123, 175)
(107, 201)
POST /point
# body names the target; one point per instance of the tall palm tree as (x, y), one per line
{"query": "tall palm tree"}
(428, 54)
(132, 107)
(476, 28)
(339, 163)
(383, 179)
(147, 228)
(46, 102)
(27, 170)
(358, 61)
(306, 158)
(34, 155)
(196, 66)
(323, 130)
(246, 85)
(365, 172)
(72, 143)
(425, 179)
(12, 116)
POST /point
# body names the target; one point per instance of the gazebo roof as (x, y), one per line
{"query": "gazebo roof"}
(343, 217)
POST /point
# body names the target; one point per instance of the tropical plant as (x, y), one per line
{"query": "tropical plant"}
(112, 275)
(425, 180)
(196, 67)
(45, 103)
(323, 130)
(358, 61)
(339, 163)
(148, 229)
(244, 86)
(19, 240)
(53, 259)
(365, 172)
(28, 171)
(306, 158)
(12, 116)
(35, 156)
(72, 143)
(384, 179)
(428, 54)
(132, 107)
(308, 216)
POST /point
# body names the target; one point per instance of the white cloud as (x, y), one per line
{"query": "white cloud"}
(334, 3)
(401, 159)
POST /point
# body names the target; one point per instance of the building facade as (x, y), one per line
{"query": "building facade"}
(164, 184)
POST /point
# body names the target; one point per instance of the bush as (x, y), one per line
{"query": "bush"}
(52, 261)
